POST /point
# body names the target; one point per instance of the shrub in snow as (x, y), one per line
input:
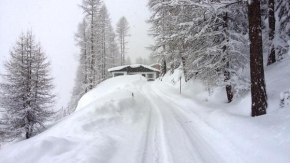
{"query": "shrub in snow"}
(173, 81)
(285, 99)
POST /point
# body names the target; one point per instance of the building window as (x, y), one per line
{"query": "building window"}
(118, 74)
(150, 76)
(144, 75)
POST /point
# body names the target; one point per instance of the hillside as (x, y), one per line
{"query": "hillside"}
(129, 120)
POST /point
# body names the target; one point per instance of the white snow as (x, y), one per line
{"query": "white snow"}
(132, 66)
(158, 125)
(155, 64)
(107, 89)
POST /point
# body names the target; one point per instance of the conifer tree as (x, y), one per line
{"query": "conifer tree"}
(104, 27)
(82, 39)
(209, 43)
(258, 87)
(272, 23)
(162, 28)
(128, 61)
(282, 32)
(26, 90)
(91, 9)
(122, 34)
(114, 59)
(98, 49)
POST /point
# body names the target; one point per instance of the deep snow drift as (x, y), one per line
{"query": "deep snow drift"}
(129, 120)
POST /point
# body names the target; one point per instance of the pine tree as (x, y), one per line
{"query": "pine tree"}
(275, 28)
(128, 61)
(227, 73)
(98, 49)
(78, 90)
(91, 9)
(272, 23)
(141, 60)
(104, 27)
(122, 33)
(163, 67)
(258, 87)
(207, 42)
(81, 85)
(114, 59)
(82, 39)
(282, 32)
(162, 29)
(26, 90)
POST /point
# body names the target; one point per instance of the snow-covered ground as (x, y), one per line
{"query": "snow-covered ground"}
(129, 120)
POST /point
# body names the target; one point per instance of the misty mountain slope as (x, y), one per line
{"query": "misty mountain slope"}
(158, 125)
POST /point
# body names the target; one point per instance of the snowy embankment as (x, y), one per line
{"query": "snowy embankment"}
(158, 125)
(92, 133)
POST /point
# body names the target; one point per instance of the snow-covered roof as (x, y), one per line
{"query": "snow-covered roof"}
(132, 66)
(155, 64)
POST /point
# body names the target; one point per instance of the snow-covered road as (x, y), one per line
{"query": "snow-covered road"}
(157, 125)
(174, 135)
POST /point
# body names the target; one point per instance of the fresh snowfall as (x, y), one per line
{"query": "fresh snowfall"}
(129, 120)
(210, 82)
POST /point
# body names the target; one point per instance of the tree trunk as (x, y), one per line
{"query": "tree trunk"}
(27, 128)
(164, 70)
(258, 87)
(104, 53)
(184, 68)
(122, 50)
(92, 53)
(226, 72)
(228, 87)
(27, 135)
(86, 71)
(271, 12)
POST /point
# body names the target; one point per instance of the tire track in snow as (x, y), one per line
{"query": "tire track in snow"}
(179, 152)
(206, 147)
(174, 142)
(155, 150)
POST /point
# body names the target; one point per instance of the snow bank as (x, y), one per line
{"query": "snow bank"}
(277, 80)
(159, 124)
(260, 139)
(109, 86)
(88, 135)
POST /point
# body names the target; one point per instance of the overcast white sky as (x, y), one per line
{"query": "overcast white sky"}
(54, 23)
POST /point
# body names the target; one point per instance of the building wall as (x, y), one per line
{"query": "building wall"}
(145, 74)
(119, 72)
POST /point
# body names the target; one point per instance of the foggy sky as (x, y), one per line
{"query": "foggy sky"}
(54, 23)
